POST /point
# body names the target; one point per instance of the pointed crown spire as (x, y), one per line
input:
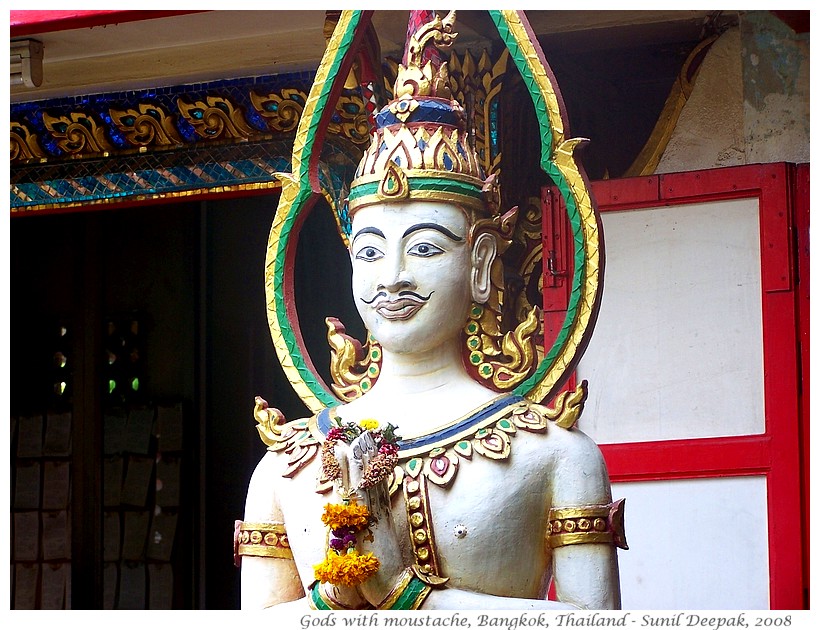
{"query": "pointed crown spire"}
(420, 148)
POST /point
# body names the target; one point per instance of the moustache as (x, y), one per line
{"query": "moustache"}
(401, 294)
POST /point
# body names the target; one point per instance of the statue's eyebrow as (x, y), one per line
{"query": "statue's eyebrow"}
(368, 230)
(432, 226)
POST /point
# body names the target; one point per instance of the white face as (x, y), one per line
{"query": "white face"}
(411, 273)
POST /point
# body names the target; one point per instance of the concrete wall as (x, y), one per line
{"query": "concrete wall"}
(750, 102)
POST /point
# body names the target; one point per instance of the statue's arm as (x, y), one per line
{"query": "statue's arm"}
(269, 577)
(585, 571)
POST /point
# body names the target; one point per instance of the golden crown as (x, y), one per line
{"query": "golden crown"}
(420, 149)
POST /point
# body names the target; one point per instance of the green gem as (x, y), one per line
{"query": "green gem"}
(472, 328)
(373, 369)
(463, 445)
(473, 342)
(413, 464)
(365, 384)
(374, 355)
(486, 370)
(475, 358)
(135, 384)
(112, 386)
(504, 424)
(476, 311)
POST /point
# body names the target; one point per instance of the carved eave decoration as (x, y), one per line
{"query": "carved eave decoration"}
(168, 143)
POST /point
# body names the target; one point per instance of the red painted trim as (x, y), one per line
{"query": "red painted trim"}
(688, 459)
(801, 223)
(34, 22)
(800, 190)
(777, 453)
(612, 194)
(555, 243)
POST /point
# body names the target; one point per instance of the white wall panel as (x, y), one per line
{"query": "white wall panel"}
(696, 544)
(677, 351)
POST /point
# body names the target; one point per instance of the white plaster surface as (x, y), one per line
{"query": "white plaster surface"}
(677, 350)
(709, 132)
(747, 106)
(698, 544)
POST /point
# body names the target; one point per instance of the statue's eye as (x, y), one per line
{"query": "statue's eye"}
(368, 253)
(425, 250)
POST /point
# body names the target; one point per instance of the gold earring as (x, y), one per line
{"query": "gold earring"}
(477, 341)
(502, 359)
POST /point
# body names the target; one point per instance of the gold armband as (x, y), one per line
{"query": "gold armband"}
(587, 524)
(268, 540)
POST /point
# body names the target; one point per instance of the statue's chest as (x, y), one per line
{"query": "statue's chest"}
(469, 515)
(492, 513)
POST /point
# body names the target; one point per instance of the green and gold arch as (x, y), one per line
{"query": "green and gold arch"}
(301, 189)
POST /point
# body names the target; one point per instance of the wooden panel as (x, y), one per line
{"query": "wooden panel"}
(777, 453)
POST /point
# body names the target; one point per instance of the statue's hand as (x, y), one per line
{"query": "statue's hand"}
(381, 539)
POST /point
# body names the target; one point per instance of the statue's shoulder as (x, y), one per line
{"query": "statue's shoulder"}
(294, 439)
(564, 411)
(557, 422)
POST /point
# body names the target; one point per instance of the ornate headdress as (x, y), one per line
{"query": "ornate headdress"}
(421, 149)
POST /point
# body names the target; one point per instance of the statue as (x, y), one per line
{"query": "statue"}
(424, 486)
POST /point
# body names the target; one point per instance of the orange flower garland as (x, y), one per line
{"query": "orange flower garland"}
(348, 569)
(338, 515)
(343, 564)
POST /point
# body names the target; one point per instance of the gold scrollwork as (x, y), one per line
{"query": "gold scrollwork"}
(504, 359)
(147, 125)
(268, 420)
(353, 367)
(568, 407)
(529, 264)
(353, 121)
(477, 86)
(77, 133)
(415, 80)
(216, 118)
(24, 144)
(281, 110)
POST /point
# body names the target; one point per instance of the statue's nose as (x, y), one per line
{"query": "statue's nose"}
(396, 284)
(397, 278)
(394, 275)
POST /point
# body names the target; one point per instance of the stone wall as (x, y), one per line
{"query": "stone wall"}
(750, 102)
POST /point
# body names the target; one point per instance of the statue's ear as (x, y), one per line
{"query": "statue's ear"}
(484, 252)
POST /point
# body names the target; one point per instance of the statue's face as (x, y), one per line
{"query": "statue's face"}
(411, 273)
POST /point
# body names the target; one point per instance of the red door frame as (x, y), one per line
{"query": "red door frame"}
(781, 452)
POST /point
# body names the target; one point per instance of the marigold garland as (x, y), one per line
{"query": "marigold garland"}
(339, 515)
(343, 564)
(347, 569)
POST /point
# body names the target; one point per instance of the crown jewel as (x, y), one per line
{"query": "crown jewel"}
(420, 149)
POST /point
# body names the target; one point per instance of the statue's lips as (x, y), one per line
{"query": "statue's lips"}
(401, 308)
